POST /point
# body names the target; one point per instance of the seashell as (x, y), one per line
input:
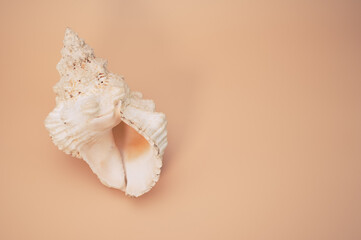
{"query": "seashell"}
(99, 119)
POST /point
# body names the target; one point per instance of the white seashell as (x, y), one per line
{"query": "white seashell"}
(93, 110)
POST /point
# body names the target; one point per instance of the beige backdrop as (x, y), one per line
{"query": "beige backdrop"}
(264, 109)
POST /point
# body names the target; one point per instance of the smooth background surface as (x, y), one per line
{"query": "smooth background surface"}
(263, 103)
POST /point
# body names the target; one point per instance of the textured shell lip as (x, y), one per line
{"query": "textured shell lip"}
(87, 135)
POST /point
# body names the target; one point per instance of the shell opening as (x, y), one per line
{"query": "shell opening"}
(137, 157)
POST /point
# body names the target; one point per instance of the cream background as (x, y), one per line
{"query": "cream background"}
(263, 104)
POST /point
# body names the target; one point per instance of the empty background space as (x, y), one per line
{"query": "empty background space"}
(263, 101)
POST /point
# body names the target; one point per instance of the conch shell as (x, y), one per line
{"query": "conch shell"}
(97, 118)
